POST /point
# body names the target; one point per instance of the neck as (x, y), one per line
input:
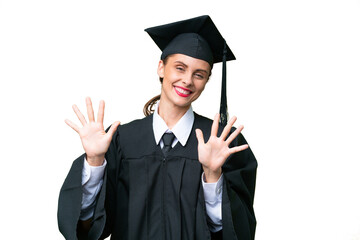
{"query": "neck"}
(171, 114)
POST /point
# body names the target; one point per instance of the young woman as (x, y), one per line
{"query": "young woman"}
(173, 174)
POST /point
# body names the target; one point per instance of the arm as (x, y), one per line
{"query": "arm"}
(239, 173)
(92, 181)
(213, 200)
(214, 153)
(96, 143)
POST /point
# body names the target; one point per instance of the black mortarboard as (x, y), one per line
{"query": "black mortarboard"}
(199, 38)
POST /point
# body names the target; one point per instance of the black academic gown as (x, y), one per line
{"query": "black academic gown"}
(148, 196)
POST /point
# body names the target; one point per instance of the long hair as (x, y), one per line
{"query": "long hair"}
(149, 106)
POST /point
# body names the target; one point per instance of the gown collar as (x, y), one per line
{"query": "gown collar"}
(181, 130)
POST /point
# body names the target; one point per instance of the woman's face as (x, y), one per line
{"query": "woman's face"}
(184, 79)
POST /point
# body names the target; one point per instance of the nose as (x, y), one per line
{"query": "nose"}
(187, 79)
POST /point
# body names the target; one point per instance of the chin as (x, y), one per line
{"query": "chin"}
(182, 104)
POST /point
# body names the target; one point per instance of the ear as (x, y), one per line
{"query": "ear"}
(160, 70)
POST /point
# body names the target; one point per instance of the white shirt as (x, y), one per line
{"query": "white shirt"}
(181, 130)
(92, 177)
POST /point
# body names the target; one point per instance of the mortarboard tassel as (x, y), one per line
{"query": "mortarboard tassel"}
(223, 101)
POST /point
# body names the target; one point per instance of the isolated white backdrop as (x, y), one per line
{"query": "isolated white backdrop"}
(293, 85)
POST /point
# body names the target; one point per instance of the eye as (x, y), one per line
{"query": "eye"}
(199, 76)
(180, 68)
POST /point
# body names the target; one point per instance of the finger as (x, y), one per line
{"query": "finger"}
(238, 148)
(199, 136)
(100, 116)
(79, 115)
(90, 110)
(112, 129)
(234, 134)
(72, 125)
(215, 125)
(227, 128)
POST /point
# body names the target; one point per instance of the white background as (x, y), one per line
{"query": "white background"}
(293, 85)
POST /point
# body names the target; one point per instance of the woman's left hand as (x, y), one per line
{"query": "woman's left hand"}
(213, 154)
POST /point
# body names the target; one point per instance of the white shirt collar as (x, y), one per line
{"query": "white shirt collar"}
(181, 129)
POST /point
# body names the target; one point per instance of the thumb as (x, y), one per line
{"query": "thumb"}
(113, 128)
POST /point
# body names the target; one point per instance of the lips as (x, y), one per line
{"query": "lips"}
(182, 92)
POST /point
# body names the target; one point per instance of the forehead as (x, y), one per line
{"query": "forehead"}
(190, 62)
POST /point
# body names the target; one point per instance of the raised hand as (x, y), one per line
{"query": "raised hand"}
(93, 137)
(213, 154)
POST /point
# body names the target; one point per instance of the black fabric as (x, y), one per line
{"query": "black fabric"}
(167, 138)
(223, 101)
(216, 235)
(167, 39)
(69, 204)
(190, 44)
(149, 196)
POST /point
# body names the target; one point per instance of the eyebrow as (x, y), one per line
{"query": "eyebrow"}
(198, 70)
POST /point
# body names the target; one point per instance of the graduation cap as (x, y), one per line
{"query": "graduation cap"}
(198, 38)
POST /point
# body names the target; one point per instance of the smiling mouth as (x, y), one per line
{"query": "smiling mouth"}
(182, 92)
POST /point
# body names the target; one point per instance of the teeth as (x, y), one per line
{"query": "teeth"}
(183, 91)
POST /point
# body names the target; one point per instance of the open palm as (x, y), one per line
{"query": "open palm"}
(213, 153)
(93, 137)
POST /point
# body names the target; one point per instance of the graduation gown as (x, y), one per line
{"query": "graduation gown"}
(148, 196)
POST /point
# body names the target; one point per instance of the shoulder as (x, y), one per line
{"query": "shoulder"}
(133, 125)
(205, 124)
(201, 120)
(133, 129)
(136, 138)
(136, 132)
(136, 125)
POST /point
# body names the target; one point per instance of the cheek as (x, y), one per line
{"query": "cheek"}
(201, 86)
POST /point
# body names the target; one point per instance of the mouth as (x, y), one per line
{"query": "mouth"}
(182, 92)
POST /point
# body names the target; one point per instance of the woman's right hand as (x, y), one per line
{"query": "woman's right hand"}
(94, 139)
